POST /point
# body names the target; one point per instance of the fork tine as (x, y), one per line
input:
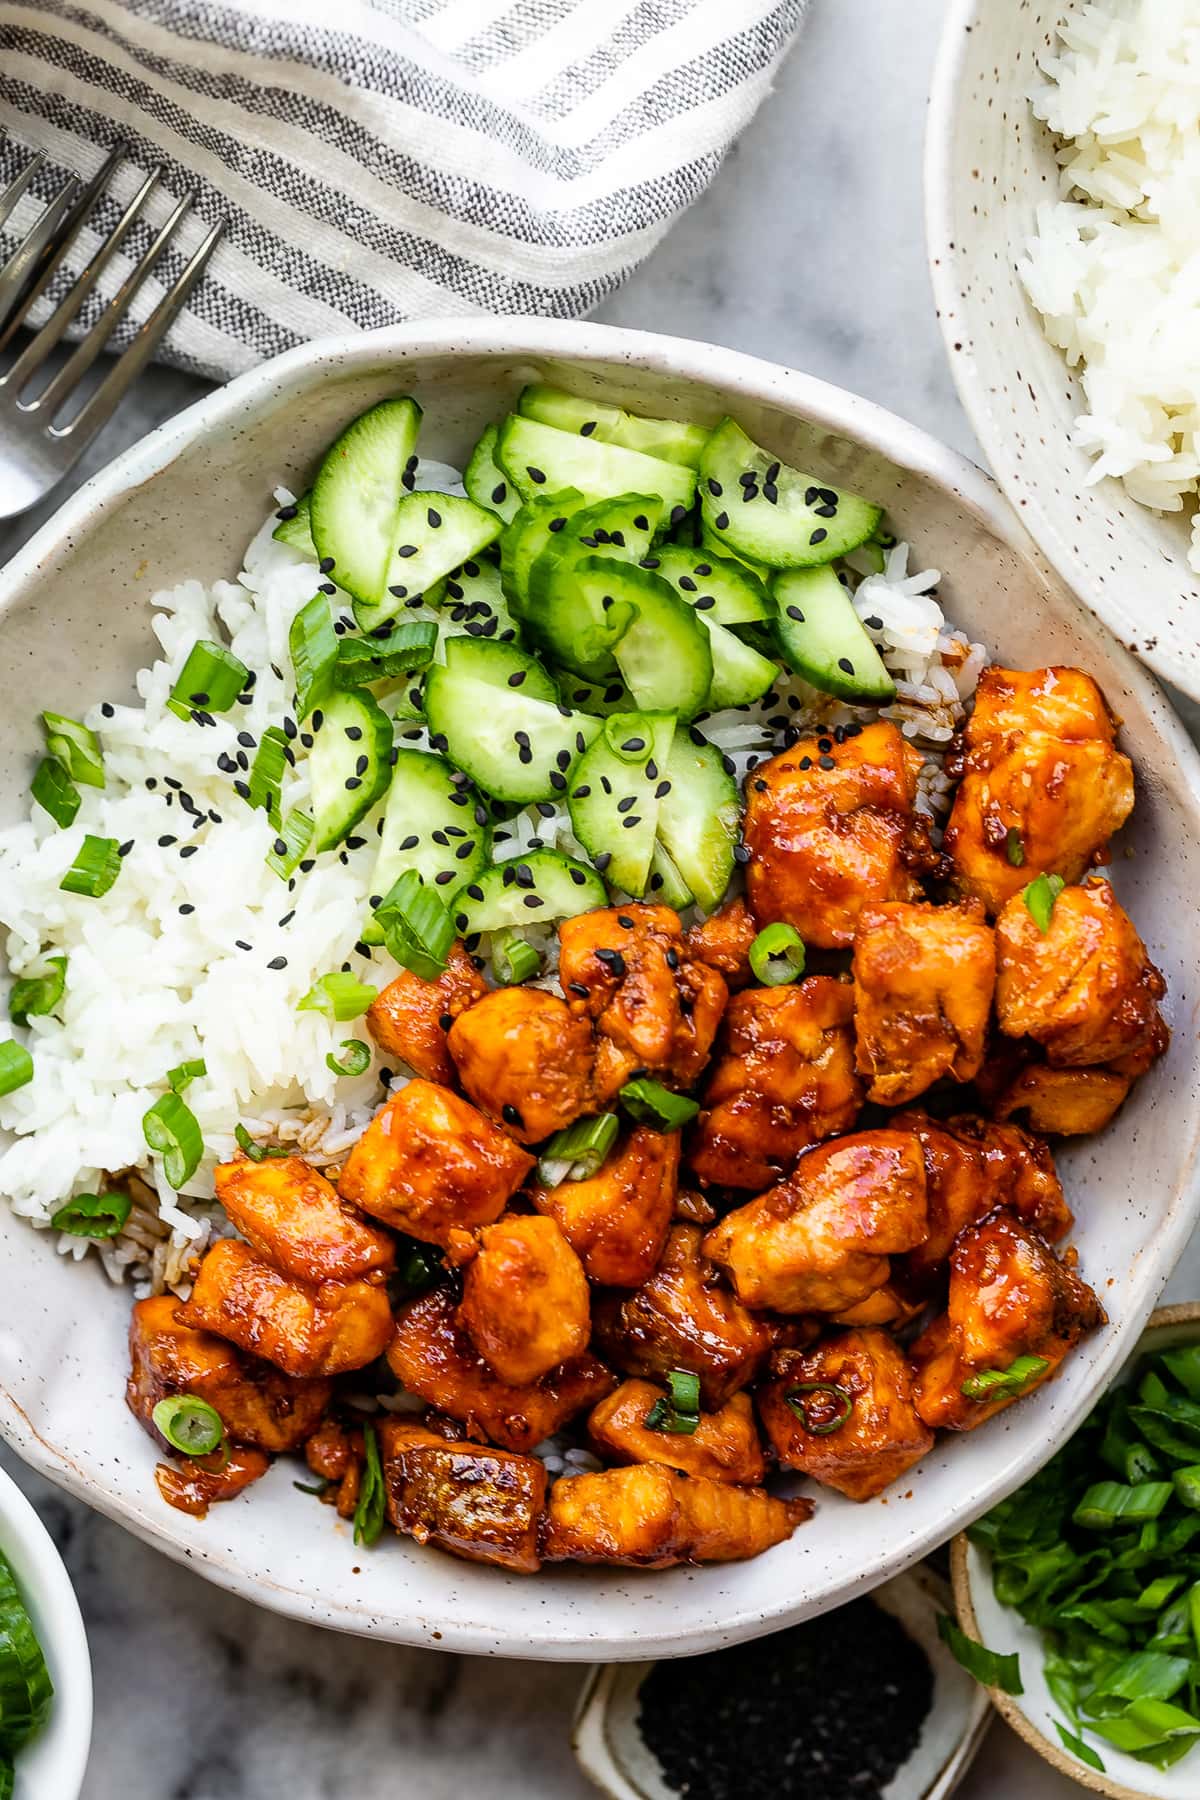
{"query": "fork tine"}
(97, 408)
(22, 264)
(62, 240)
(36, 351)
(10, 196)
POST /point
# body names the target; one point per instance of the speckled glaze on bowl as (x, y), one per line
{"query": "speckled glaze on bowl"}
(989, 164)
(74, 626)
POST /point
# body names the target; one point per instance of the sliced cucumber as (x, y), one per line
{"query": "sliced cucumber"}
(434, 534)
(575, 623)
(663, 651)
(622, 528)
(698, 817)
(349, 764)
(474, 605)
(666, 883)
(725, 590)
(429, 825)
(614, 795)
(503, 666)
(486, 482)
(598, 697)
(712, 547)
(821, 636)
(356, 497)
(671, 440)
(740, 675)
(533, 889)
(296, 530)
(763, 509)
(540, 459)
(517, 748)
(535, 526)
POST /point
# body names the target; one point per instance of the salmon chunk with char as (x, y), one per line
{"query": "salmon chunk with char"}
(617, 1220)
(784, 1079)
(723, 1447)
(1058, 1102)
(258, 1404)
(843, 1412)
(432, 1355)
(821, 1241)
(1010, 1297)
(305, 1329)
(655, 1007)
(1043, 784)
(294, 1217)
(411, 1017)
(1084, 989)
(476, 1502)
(649, 1517)
(430, 1164)
(831, 827)
(923, 982)
(526, 1304)
(526, 1060)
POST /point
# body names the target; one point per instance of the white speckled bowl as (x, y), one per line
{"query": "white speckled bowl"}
(74, 625)
(989, 164)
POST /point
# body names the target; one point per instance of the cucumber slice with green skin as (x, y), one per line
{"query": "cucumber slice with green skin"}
(598, 697)
(503, 666)
(571, 621)
(533, 889)
(538, 458)
(517, 748)
(429, 824)
(699, 817)
(522, 542)
(663, 653)
(349, 765)
(297, 530)
(622, 529)
(474, 606)
(666, 883)
(434, 534)
(724, 590)
(712, 546)
(759, 507)
(485, 481)
(614, 795)
(822, 638)
(740, 675)
(356, 497)
(671, 440)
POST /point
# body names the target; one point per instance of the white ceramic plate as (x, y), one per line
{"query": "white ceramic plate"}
(73, 625)
(989, 164)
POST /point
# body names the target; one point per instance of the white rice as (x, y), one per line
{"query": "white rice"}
(174, 963)
(1114, 268)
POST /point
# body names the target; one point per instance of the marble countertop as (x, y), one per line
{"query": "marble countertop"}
(808, 249)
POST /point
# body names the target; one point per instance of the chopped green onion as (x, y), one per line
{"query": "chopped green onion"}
(339, 996)
(171, 1128)
(189, 1424)
(33, 996)
(1107, 1502)
(97, 865)
(355, 1057)
(265, 780)
(368, 1514)
(418, 1265)
(209, 682)
(987, 1666)
(417, 929)
(681, 1413)
(1187, 1486)
(93, 1215)
(179, 1078)
(256, 1153)
(1000, 1384)
(314, 648)
(287, 852)
(652, 1104)
(16, 1067)
(1014, 849)
(407, 651)
(1039, 898)
(813, 1421)
(54, 790)
(75, 747)
(319, 1486)
(1183, 1364)
(576, 1153)
(1077, 1747)
(777, 955)
(1147, 1726)
(513, 959)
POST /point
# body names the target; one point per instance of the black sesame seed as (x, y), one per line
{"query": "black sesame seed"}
(581, 792)
(288, 917)
(641, 522)
(577, 988)
(189, 850)
(630, 822)
(352, 782)
(806, 762)
(846, 666)
(465, 850)
(678, 514)
(362, 764)
(241, 944)
(277, 962)
(164, 843)
(662, 790)
(819, 536)
(624, 921)
(499, 493)
(434, 517)
(537, 476)
(705, 602)
(826, 762)
(634, 744)
(795, 612)
(326, 565)
(623, 806)
(532, 900)
(510, 1114)
(187, 908)
(715, 488)
(602, 860)
(407, 550)
(242, 788)
(579, 878)
(558, 782)
(741, 854)
(587, 429)
(722, 521)
(613, 961)
(443, 876)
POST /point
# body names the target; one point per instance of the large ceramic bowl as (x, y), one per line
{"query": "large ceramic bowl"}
(74, 623)
(989, 164)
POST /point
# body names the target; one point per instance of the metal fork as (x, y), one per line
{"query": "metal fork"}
(35, 450)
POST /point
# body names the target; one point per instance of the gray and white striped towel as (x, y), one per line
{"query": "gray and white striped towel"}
(377, 160)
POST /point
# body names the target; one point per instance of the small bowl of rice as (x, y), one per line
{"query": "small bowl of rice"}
(1062, 175)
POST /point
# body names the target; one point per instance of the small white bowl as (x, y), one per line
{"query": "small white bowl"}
(1001, 1628)
(989, 164)
(611, 1751)
(52, 1766)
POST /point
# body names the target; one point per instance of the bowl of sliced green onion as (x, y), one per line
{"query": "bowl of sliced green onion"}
(45, 1670)
(1078, 1597)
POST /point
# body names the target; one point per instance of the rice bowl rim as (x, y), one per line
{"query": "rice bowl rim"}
(564, 1634)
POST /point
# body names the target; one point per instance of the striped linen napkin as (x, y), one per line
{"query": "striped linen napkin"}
(377, 160)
